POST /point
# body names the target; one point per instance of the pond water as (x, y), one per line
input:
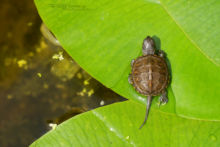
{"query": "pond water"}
(39, 83)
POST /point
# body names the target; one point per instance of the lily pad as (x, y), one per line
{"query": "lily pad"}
(103, 36)
(121, 129)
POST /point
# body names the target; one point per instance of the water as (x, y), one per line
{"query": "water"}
(38, 87)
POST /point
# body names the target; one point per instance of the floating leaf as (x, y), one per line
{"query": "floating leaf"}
(103, 36)
(117, 125)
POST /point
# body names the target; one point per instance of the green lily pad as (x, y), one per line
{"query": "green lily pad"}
(99, 128)
(103, 36)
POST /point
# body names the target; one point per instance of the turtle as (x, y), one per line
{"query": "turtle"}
(150, 75)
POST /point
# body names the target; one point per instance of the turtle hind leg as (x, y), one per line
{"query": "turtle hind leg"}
(163, 98)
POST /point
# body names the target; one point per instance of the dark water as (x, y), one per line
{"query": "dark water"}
(35, 87)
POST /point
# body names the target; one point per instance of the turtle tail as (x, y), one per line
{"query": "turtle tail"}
(147, 110)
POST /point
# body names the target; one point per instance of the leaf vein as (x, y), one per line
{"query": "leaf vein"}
(187, 36)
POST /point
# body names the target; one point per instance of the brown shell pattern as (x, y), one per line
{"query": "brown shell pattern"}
(150, 75)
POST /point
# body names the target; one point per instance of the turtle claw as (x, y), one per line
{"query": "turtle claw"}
(163, 99)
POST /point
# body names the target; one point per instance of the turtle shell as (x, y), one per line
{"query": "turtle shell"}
(150, 75)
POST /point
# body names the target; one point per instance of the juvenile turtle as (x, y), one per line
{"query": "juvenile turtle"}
(149, 74)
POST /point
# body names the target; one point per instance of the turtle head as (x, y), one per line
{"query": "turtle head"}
(148, 46)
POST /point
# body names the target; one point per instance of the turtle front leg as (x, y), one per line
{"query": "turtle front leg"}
(132, 62)
(130, 80)
(163, 98)
(161, 53)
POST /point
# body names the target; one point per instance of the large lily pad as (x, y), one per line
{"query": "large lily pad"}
(103, 36)
(99, 128)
